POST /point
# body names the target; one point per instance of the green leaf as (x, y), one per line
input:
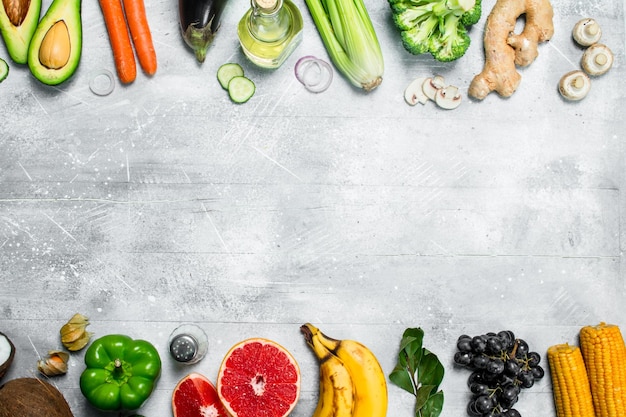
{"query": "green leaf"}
(403, 359)
(419, 372)
(411, 342)
(423, 393)
(430, 370)
(402, 378)
(433, 406)
(410, 336)
(411, 346)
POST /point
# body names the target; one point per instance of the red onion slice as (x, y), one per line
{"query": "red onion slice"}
(315, 74)
(301, 65)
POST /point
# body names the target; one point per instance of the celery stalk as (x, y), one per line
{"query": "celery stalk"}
(349, 37)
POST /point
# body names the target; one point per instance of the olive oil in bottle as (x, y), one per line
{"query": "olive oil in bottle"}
(270, 31)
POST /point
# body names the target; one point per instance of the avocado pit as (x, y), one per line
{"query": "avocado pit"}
(55, 49)
(16, 10)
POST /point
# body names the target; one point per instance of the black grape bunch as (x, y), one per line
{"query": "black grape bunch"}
(502, 365)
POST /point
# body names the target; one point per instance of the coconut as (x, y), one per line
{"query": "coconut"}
(7, 353)
(32, 397)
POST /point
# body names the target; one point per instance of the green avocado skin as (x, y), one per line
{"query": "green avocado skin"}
(68, 11)
(4, 72)
(17, 35)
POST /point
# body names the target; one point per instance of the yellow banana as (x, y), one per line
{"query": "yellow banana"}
(370, 383)
(336, 397)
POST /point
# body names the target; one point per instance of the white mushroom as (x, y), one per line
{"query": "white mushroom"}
(448, 97)
(597, 59)
(587, 32)
(574, 85)
(432, 85)
(414, 93)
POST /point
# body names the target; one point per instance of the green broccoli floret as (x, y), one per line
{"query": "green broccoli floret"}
(410, 18)
(401, 5)
(436, 26)
(452, 42)
(472, 16)
(417, 39)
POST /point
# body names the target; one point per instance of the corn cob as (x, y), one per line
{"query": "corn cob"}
(604, 354)
(570, 385)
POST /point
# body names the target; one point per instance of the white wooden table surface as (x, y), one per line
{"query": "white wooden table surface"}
(164, 203)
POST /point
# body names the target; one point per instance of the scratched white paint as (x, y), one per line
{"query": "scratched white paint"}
(165, 203)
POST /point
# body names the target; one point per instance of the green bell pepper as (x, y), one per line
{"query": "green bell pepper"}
(121, 372)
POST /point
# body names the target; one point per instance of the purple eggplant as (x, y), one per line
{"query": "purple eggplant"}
(199, 23)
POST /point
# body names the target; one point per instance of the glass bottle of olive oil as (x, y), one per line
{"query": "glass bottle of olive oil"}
(270, 31)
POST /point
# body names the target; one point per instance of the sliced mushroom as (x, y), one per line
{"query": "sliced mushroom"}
(574, 85)
(597, 59)
(414, 93)
(432, 85)
(587, 32)
(448, 97)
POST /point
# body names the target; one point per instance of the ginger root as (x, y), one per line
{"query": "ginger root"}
(504, 49)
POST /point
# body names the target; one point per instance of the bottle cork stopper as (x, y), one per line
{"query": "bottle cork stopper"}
(266, 4)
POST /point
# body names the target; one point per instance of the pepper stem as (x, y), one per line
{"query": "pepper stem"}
(118, 369)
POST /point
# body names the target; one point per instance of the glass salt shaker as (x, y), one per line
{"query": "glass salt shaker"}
(188, 344)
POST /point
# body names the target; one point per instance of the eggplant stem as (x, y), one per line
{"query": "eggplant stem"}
(199, 39)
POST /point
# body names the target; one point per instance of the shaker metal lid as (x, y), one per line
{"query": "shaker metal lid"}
(184, 348)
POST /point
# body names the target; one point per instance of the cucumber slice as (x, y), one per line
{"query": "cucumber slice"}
(226, 72)
(240, 89)
(4, 69)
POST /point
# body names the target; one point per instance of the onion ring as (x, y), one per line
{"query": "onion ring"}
(300, 64)
(313, 73)
(102, 88)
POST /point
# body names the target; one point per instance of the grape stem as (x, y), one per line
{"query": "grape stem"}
(514, 350)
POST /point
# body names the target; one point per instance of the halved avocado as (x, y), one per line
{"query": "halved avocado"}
(56, 46)
(18, 21)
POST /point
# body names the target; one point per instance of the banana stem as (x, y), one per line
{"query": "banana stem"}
(308, 334)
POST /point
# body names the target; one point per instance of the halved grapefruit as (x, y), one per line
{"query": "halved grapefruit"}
(259, 377)
(195, 396)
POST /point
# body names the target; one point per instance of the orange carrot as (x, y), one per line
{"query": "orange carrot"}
(120, 40)
(140, 32)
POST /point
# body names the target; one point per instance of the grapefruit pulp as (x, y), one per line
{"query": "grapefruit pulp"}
(195, 396)
(258, 377)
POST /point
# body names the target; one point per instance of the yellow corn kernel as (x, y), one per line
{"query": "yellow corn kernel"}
(570, 385)
(604, 354)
